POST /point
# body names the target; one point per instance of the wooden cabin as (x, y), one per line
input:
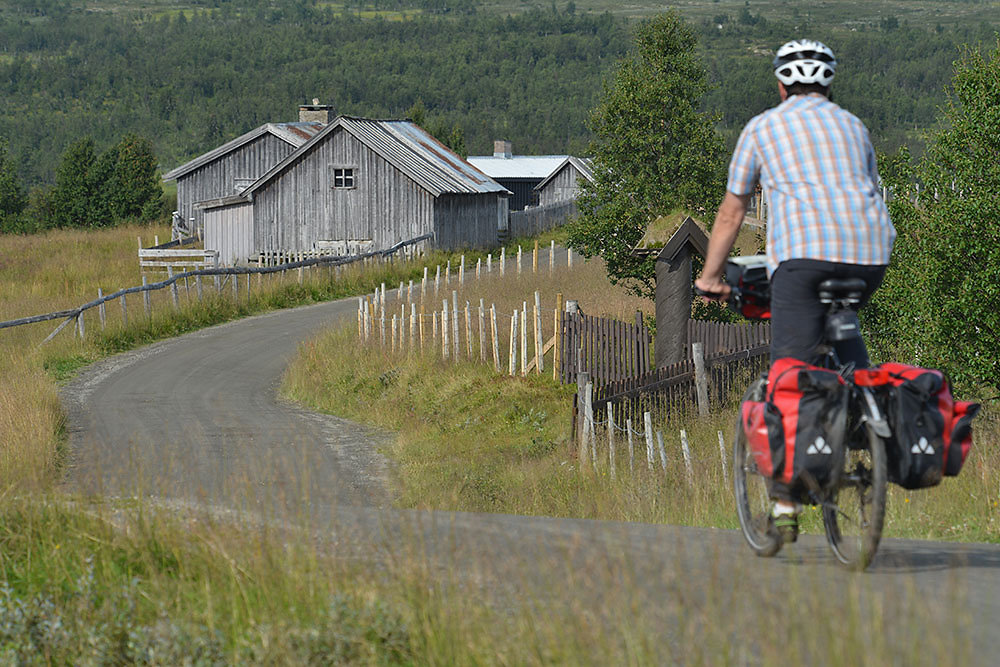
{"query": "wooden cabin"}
(235, 165)
(563, 184)
(359, 183)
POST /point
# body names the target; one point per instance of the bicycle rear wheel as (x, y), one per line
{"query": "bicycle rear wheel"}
(855, 512)
(753, 504)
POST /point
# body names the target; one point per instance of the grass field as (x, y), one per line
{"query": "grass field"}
(475, 440)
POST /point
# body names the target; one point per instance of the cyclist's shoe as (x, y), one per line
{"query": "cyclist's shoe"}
(785, 519)
(787, 527)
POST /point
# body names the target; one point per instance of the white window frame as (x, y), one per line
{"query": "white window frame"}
(343, 177)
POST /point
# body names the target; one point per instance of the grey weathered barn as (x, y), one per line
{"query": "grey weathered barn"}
(232, 167)
(563, 184)
(360, 183)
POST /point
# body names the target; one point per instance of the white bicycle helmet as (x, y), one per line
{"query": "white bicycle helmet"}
(804, 61)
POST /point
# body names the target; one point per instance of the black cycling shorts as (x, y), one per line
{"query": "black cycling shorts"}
(798, 318)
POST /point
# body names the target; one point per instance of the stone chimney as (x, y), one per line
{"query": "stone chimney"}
(502, 149)
(316, 112)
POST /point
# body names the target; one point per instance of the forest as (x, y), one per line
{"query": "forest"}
(190, 80)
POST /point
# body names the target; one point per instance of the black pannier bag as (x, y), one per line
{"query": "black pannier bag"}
(931, 432)
(805, 418)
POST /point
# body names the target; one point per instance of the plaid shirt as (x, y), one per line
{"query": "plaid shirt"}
(817, 166)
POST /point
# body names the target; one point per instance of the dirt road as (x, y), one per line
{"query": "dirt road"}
(197, 419)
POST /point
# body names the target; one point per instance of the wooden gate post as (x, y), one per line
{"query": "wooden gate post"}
(700, 377)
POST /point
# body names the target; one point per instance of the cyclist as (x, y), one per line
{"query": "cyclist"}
(827, 219)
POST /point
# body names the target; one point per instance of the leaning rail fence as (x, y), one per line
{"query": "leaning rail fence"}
(171, 282)
(609, 350)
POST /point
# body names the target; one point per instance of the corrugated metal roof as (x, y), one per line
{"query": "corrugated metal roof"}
(519, 166)
(295, 134)
(583, 164)
(408, 147)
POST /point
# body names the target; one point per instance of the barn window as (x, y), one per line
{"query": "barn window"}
(343, 178)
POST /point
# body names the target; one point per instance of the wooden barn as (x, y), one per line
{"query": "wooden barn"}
(518, 173)
(232, 167)
(563, 184)
(359, 183)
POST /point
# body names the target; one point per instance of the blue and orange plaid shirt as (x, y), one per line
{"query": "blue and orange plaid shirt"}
(817, 167)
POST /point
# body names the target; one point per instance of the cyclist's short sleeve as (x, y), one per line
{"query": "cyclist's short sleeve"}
(744, 168)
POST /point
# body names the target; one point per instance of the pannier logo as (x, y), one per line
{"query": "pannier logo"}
(819, 447)
(922, 447)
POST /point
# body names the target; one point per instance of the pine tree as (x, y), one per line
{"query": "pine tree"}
(12, 197)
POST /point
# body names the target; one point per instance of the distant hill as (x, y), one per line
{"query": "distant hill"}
(192, 75)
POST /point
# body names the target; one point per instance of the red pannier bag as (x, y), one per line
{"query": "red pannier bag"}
(796, 435)
(931, 432)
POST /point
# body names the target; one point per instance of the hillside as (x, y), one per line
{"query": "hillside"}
(190, 75)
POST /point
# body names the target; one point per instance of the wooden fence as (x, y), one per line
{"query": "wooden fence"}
(609, 350)
(219, 275)
(667, 391)
(533, 221)
(723, 337)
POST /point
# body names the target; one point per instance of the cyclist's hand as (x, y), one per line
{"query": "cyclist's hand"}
(714, 290)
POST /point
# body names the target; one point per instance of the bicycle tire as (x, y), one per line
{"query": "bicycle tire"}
(853, 524)
(750, 489)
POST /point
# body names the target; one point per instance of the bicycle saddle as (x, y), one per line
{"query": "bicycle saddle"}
(841, 288)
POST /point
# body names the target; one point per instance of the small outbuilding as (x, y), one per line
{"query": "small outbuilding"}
(518, 173)
(360, 183)
(563, 184)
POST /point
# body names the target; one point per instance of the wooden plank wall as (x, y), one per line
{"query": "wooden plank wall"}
(723, 337)
(466, 221)
(563, 187)
(218, 178)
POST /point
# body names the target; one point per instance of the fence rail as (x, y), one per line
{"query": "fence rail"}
(77, 312)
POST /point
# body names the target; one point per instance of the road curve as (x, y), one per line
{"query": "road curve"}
(196, 419)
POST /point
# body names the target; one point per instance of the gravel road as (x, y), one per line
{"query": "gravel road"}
(196, 419)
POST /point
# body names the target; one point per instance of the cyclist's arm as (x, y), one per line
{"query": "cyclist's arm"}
(724, 232)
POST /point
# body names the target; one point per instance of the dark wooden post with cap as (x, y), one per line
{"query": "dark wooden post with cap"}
(673, 291)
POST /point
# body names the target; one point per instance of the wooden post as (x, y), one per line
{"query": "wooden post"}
(582, 380)
(663, 452)
(124, 311)
(447, 274)
(482, 331)
(569, 258)
(648, 419)
(461, 272)
(423, 286)
(557, 350)
(611, 440)
(361, 320)
(236, 287)
(444, 329)
(722, 457)
(534, 258)
(300, 275)
(503, 261)
(437, 281)
(589, 421)
(519, 260)
(413, 323)
(402, 325)
(552, 257)
(173, 288)
(409, 292)
(495, 337)
(489, 263)
(434, 333)
(156, 240)
(145, 300)
(512, 356)
(539, 343)
(700, 377)
(479, 268)
(197, 284)
(631, 446)
(100, 309)
(454, 324)
(524, 338)
(393, 334)
(381, 326)
(420, 325)
(248, 288)
(80, 326)
(468, 331)
(686, 452)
